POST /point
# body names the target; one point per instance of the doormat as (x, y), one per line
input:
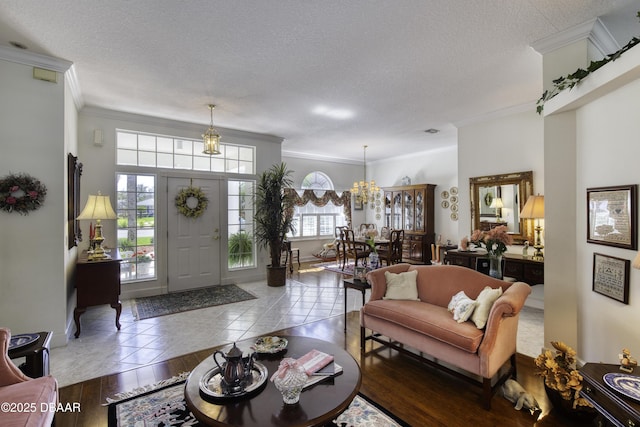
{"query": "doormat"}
(165, 406)
(161, 305)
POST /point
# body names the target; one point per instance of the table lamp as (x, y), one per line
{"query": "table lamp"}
(97, 208)
(497, 204)
(534, 209)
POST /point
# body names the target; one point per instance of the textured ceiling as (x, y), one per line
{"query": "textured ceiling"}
(394, 68)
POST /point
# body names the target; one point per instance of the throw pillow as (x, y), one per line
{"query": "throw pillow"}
(463, 307)
(484, 303)
(455, 299)
(401, 285)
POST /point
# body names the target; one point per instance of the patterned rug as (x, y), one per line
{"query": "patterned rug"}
(164, 405)
(161, 305)
(333, 266)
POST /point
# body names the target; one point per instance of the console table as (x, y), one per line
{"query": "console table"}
(617, 409)
(522, 269)
(97, 283)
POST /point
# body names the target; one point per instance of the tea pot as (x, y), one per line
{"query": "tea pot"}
(236, 370)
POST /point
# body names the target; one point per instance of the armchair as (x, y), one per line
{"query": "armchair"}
(15, 387)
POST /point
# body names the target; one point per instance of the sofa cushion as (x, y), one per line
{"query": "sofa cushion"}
(461, 306)
(401, 286)
(484, 303)
(428, 319)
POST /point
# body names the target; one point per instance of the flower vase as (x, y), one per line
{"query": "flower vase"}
(495, 266)
(373, 260)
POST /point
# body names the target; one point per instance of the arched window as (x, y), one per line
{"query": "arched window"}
(311, 220)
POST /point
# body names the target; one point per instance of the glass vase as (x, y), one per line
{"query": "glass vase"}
(495, 266)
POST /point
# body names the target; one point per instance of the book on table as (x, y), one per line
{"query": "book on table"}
(319, 366)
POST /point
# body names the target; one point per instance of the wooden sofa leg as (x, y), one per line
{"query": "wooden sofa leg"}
(514, 367)
(362, 339)
(487, 393)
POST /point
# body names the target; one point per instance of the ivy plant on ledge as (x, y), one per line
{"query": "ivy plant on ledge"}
(570, 80)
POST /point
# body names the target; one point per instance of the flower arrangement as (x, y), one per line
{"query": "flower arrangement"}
(184, 202)
(143, 256)
(371, 240)
(495, 241)
(560, 373)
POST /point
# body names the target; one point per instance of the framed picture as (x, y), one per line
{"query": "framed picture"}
(360, 273)
(358, 206)
(74, 172)
(611, 216)
(611, 277)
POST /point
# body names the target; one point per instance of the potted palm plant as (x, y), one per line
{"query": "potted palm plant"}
(271, 222)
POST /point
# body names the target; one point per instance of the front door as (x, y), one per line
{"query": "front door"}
(194, 243)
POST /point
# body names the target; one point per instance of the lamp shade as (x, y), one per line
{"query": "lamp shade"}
(496, 203)
(534, 208)
(98, 207)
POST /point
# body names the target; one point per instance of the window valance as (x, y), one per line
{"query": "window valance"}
(309, 196)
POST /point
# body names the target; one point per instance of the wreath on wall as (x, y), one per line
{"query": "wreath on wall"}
(21, 193)
(191, 202)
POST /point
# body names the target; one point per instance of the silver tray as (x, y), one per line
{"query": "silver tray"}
(211, 383)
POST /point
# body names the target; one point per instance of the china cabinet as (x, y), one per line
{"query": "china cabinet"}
(410, 208)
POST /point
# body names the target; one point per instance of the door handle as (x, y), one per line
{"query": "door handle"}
(216, 234)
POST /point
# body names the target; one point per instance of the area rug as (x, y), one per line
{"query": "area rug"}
(164, 405)
(161, 305)
(333, 266)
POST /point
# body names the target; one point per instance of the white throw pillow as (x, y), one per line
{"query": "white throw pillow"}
(401, 285)
(455, 299)
(484, 302)
(463, 307)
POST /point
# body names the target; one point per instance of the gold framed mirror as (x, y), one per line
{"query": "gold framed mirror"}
(498, 200)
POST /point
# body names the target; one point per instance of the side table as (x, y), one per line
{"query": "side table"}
(357, 285)
(36, 356)
(97, 283)
(618, 410)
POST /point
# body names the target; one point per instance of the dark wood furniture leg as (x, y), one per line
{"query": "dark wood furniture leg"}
(77, 312)
(118, 308)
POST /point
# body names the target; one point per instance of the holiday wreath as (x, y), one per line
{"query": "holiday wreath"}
(183, 202)
(21, 193)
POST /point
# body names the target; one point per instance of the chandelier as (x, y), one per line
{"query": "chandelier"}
(363, 190)
(211, 138)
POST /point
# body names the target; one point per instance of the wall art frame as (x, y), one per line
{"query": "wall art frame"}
(611, 277)
(612, 217)
(74, 172)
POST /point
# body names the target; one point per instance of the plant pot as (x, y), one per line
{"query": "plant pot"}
(276, 276)
(584, 414)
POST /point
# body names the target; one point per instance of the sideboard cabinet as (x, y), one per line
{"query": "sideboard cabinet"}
(410, 208)
(522, 269)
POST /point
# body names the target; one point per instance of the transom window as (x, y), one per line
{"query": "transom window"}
(161, 151)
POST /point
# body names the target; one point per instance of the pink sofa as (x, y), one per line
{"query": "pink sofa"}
(427, 326)
(27, 401)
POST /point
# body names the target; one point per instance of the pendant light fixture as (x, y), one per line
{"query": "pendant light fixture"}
(363, 190)
(211, 138)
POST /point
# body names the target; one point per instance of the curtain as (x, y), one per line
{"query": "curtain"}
(309, 196)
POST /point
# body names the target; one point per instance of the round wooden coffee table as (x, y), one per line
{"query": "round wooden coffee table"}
(318, 405)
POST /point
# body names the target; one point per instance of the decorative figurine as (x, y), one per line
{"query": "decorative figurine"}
(627, 363)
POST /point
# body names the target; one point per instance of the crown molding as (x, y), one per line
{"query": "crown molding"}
(593, 30)
(320, 158)
(493, 115)
(24, 57)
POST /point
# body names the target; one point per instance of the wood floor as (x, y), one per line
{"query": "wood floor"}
(420, 395)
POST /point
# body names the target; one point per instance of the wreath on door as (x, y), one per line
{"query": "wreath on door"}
(21, 193)
(191, 202)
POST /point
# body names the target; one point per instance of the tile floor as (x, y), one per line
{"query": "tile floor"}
(102, 350)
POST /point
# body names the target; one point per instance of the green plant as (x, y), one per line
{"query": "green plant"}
(570, 80)
(240, 248)
(125, 244)
(271, 222)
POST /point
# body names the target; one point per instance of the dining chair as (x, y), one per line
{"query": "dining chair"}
(392, 253)
(366, 227)
(338, 233)
(353, 249)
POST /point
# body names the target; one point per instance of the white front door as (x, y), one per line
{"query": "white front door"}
(194, 243)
